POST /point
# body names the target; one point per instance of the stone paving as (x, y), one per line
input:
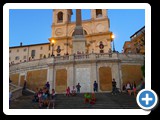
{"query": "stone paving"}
(104, 101)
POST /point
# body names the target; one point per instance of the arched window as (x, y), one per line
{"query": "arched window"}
(85, 33)
(60, 17)
(98, 13)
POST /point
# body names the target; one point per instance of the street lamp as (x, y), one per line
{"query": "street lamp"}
(52, 43)
(112, 37)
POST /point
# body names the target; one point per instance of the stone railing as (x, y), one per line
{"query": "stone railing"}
(78, 57)
(130, 56)
(15, 90)
(33, 63)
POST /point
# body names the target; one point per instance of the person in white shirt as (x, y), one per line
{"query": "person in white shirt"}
(128, 86)
(73, 91)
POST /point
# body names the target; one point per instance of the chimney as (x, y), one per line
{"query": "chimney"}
(20, 43)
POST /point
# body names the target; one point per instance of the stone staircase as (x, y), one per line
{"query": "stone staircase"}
(15, 90)
(104, 101)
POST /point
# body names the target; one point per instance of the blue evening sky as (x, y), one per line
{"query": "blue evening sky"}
(34, 26)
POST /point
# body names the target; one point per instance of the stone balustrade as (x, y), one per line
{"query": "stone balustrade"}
(15, 90)
(130, 56)
(78, 57)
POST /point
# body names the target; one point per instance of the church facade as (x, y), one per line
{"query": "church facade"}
(72, 57)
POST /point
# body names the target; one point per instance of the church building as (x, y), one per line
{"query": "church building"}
(76, 52)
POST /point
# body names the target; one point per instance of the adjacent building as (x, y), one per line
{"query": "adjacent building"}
(136, 43)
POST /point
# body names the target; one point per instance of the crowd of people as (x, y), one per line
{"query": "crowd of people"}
(44, 98)
(132, 88)
(73, 92)
(47, 99)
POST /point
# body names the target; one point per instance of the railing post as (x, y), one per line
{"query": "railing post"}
(92, 56)
(71, 57)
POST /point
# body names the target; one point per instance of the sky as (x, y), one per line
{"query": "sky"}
(33, 26)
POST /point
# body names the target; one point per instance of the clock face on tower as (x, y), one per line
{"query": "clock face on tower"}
(100, 27)
(59, 31)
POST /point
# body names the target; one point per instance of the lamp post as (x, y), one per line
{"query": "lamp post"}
(52, 43)
(112, 37)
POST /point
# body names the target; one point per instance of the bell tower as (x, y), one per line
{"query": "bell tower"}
(62, 16)
(98, 13)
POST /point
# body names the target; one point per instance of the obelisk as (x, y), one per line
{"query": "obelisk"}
(79, 42)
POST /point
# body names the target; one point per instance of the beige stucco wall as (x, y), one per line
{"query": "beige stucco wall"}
(83, 70)
(19, 51)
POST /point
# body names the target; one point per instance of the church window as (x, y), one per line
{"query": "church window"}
(60, 17)
(98, 13)
(85, 33)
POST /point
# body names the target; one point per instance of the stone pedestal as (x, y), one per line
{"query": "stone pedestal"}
(79, 45)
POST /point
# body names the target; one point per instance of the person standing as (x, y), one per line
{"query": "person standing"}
(47, 85)
(68, 91)
(78, 88)
(114, 86)
(10, 96)
(24, 86)
(95, 86)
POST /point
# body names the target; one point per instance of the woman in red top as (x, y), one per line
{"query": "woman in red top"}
(68, 91)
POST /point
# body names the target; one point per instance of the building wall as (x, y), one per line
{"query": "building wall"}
(105, 78)
(137, 42)
(22, 79)
(15, 78)
(19, 51)
(61, 80)
(36, 79)
(61, 74)
(127, 47)
(131, 73)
